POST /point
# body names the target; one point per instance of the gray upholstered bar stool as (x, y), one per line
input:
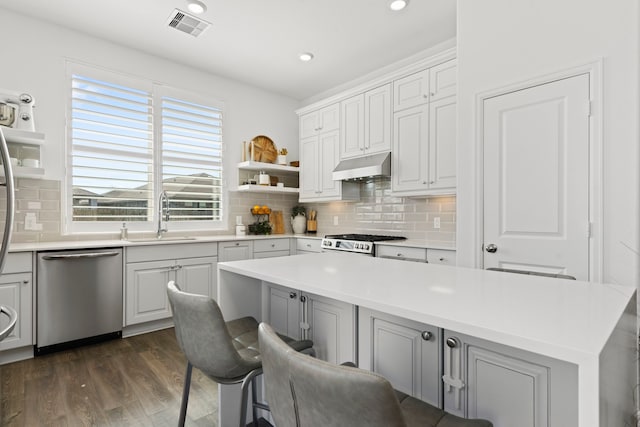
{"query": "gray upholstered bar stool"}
(226, 352)
(304, 391)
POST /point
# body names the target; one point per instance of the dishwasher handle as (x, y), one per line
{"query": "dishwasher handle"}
(80, 256)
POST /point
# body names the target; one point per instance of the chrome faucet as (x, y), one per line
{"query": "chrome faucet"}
(163, 211)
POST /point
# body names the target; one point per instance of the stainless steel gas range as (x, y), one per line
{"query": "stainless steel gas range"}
(356, 243)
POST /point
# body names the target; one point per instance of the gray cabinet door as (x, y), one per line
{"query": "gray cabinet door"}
(283, 310)
(507, 386)
(198, 275)
(16, 291)
(235, 251)
(405, 352)
(331, 325)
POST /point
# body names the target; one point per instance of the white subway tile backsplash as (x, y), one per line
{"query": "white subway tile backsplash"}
(377, 212)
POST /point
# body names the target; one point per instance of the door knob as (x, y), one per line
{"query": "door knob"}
(491, 248)
(426, 335)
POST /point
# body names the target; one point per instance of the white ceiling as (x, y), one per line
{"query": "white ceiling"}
(258, 41)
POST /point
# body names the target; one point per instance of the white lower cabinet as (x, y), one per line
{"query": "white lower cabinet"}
(308, 245)
(405, 352)
(16, 291)
(407, 253)
(507, 386)
(150, 268)
(235, 251)
(331, 324)
(269, 248)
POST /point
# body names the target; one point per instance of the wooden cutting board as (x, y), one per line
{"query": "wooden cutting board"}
(275, 218)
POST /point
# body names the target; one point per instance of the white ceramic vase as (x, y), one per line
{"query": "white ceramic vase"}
(299, 224)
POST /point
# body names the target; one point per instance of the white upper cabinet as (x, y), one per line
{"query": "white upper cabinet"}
(443, 80)
(410, 112)
(425, 132)
(352, 129)
(323, 120)
(411, 90)
(319, 155)
(442, 143)
(365, 126)
(377, 120)
(410, 159)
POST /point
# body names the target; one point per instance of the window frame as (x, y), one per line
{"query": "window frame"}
(157, 91)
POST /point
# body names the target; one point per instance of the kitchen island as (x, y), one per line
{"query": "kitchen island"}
(588, 327)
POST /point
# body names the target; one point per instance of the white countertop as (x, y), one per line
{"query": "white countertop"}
(566, 319)
(82, 244)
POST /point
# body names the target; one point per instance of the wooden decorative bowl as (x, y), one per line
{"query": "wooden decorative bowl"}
(264, 149)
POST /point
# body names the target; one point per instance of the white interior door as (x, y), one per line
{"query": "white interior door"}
(536, 178)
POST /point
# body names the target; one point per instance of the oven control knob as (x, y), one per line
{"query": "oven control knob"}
(366, 247)
(327, 243)
(356, 245)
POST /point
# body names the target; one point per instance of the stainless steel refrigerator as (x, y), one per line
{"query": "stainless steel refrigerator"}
(6, 236)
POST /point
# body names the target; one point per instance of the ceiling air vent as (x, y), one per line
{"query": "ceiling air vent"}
(186, 23)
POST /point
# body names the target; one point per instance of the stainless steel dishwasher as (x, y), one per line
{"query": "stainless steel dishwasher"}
(79, 298)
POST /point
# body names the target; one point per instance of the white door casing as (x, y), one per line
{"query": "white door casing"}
(536, 177)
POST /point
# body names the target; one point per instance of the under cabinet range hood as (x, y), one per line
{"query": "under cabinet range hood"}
(363, 167)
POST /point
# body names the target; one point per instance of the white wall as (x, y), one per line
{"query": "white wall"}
(34, 62)
(505, 41)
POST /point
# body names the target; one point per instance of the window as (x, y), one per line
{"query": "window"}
(131, 139)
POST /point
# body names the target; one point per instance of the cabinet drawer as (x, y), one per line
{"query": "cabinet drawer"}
(270, 245)
(18, 262)
(308, 245)
(270, 254)
(402, 252)
(160, 252)
(441, 256)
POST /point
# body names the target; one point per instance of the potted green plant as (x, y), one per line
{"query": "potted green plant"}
(299, 219)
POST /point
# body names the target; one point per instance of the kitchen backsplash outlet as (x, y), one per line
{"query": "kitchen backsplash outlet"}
(377, 212)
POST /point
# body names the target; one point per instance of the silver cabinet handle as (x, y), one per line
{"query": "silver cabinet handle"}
(440, 259)
(81, 255)
(454, 359)
(292, 295)
(273, 245)
(426, 335)
(491, 248)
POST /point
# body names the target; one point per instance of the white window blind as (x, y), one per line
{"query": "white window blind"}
(130, 139)
(192, 160)
(111, 151)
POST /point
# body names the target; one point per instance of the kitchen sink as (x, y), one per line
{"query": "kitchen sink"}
(161, 239)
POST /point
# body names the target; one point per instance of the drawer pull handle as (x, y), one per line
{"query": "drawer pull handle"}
(426, 335)
(82, 255)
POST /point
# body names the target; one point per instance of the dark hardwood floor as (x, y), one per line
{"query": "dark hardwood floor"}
(134, 381)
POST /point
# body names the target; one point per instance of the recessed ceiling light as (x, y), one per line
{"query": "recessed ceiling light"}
(196, 6)
(306, 56)
(397, 5)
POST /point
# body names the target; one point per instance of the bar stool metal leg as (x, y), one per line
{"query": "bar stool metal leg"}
(185, 395)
